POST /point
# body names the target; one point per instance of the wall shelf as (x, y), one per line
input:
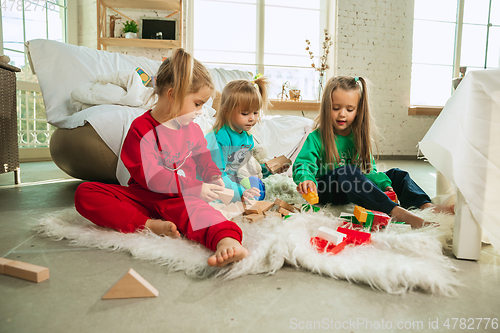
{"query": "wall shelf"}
(103, 23)
(135, 42)
(294, 106)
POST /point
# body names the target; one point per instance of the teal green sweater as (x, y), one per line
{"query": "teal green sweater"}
(310, 164)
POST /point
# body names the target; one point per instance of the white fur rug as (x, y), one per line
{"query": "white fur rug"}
(394, 262)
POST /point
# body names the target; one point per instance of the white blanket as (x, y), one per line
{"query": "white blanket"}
(394, 262)
(118, 88)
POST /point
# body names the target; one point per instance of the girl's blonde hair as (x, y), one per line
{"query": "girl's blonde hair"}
(242, 95)
(184, 75)
(361, 125)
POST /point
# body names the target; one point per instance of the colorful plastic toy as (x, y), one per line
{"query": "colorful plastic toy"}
(253, 181)
(322, 245)
(309, 207)
(355, 237)
(371, 219)
(311, 197)
(392, 195)
(330, 235)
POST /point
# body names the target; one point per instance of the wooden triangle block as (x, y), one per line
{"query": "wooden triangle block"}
(226, 195)
(131, 285)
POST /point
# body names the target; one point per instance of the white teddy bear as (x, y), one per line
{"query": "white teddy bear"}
(251, 164)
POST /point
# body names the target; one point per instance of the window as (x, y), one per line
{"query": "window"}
(24, 20)
(262, 36)
(447, 35)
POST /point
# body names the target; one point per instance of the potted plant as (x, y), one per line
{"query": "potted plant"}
(130, 29)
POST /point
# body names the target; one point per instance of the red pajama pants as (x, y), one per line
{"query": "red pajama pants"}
(127, 209)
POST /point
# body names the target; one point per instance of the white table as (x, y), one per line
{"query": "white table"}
(463, 145)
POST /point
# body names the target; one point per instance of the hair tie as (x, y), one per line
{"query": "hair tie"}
(256, 77)
(356, 79)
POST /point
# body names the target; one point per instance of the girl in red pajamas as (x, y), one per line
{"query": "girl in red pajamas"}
(163, 152)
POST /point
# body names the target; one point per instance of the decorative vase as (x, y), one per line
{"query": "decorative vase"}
(320, 87)
(130, 35)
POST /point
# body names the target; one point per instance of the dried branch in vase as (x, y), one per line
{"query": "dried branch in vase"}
(323, 64)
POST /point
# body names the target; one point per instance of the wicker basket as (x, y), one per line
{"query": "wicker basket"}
(9, 152)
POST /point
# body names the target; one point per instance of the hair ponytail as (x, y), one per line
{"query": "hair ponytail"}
(183, 74)
(182, 69)
(262, 84)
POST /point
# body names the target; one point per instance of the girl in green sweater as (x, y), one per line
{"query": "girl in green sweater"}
(337, 163)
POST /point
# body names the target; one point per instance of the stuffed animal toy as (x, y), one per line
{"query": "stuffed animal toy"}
(251, 164)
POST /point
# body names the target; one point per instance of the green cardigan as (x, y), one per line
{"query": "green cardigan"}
(310, 163)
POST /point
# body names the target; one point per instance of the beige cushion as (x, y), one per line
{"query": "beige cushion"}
(81, 153)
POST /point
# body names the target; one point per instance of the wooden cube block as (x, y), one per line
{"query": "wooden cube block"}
(240, 206)
(255, 209)
(253, 217)
(3, 262)
(285, 205)
(274, 164)
(26, 271)
(284, 211)
(264, 205)
(218, 206)
(226, 195)
(269, 213)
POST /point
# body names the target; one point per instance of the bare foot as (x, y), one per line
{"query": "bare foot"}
(402, 215)
(447, 209)
(228, 250)
(162, 228)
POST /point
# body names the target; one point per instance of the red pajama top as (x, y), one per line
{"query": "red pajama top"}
(167, 160)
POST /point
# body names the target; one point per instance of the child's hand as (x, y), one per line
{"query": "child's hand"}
(208, 192)
(250, 194)
(388, 188)
(307, 186)
(217, 180)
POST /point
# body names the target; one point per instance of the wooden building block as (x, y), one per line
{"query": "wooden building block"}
(253, 217)
(240, 206)
(226, 195)
(131, 285)
(269, 213)
(3, 262)
(286, 205)
(26, 271)
(255, 209)
(232, 208)
(283, 211)
(218, 206)
(276, 163)
(264, 205)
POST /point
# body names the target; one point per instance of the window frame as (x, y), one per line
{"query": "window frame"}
(431, 110)
(70, 34)
(326, 10)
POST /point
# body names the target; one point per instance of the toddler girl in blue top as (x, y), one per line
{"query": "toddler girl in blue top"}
(241, 107)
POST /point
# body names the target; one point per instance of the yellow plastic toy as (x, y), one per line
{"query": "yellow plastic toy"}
(311, 197)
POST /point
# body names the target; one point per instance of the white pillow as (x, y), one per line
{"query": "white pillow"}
(61, 68)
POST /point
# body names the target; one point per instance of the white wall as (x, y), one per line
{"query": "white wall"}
(374, 40)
